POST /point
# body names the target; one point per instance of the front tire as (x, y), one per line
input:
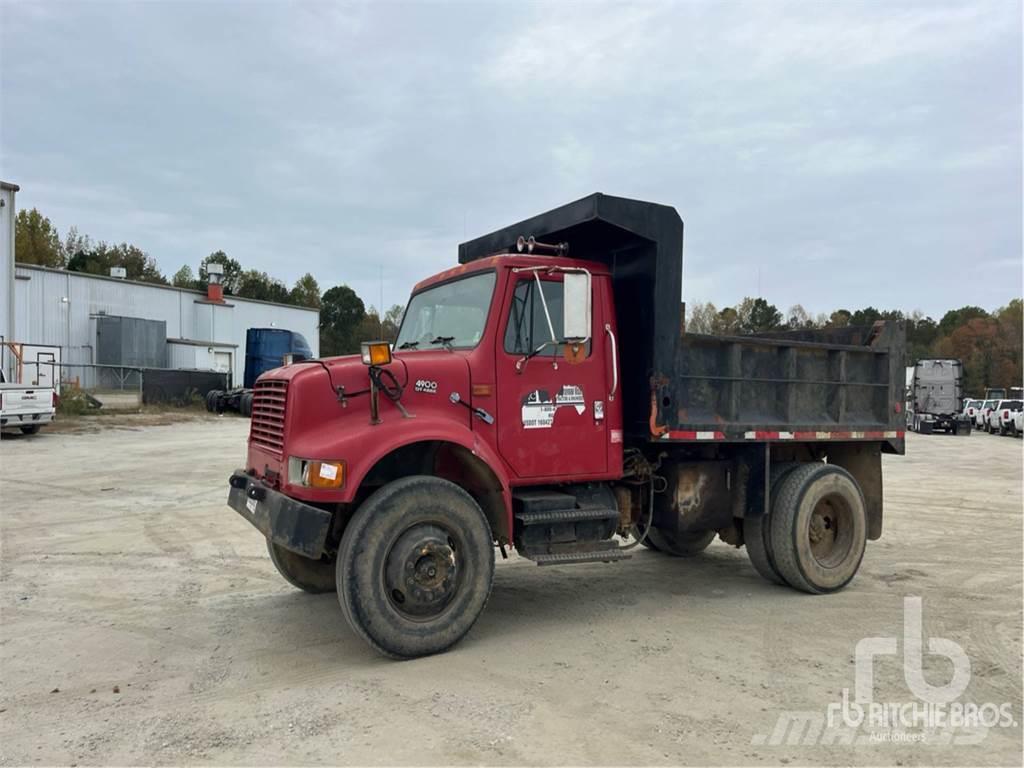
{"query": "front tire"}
(819, 528)
(313, 576)
(415, 567)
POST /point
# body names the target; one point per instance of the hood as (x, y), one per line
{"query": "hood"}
(322, 392)
(423, 376)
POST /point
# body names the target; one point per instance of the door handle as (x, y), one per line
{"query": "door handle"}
(615, 362)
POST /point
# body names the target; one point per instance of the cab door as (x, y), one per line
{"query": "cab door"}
(552, 407)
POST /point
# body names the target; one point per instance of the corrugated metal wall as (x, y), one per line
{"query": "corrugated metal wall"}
(131, 341)
(7, 213)
(61, 309)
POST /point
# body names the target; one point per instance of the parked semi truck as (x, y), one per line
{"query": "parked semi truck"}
(935, 397)
(265, 348)
(541, 396)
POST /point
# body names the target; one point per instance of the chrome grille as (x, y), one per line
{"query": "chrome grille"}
(267, 422)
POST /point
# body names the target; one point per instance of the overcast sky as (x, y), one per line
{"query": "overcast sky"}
(826, 153)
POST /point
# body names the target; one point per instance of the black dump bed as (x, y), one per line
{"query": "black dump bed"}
(805, 385)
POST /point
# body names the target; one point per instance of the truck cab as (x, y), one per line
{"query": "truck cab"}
(546, 402)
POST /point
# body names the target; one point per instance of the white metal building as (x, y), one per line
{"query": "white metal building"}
(55, 307)
(7, 214)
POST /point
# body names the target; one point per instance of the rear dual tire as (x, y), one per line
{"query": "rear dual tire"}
(679, 544)
(757, 530)
(816, 532)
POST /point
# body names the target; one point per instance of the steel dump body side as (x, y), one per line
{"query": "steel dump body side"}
(743, 388)
(812, 385)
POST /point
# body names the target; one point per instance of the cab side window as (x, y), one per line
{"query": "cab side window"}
(527, 325)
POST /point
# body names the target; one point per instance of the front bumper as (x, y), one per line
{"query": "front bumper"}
(297, 527)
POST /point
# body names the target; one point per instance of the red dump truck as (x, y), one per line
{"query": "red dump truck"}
(541, 396)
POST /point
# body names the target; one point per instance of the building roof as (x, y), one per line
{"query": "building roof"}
(201, 294)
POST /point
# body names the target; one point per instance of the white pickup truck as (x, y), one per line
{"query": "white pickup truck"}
(25, 407)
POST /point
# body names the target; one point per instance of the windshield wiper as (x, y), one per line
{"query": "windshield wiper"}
(445, 340)
(408, 345)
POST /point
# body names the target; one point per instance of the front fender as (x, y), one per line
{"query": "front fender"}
(425, 430)
(363, 449)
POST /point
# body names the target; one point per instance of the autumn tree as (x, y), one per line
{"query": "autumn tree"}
(306, 292)
(797, 318)
(75, 243)
(184, 278)
(839, 319)
(392, 322)
(36, 240)
(956, 318)
(701, 317)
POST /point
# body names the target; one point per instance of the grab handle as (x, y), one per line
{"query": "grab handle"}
(615, 362)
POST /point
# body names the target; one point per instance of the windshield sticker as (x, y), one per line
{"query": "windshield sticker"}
(539, 409)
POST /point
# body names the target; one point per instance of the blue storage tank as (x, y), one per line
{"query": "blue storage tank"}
(265, 349)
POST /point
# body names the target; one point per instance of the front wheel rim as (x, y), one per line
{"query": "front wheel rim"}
(422, 571)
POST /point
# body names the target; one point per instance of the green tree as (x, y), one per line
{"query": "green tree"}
(921, 335)
(232, 272)
(99, 260)
(341, 312)
(36, 240)
(253, 284)
(306, 292)
(757, 315)
(184, 278)
(866, 316)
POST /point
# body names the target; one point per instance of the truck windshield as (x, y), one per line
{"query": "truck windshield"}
(452, 314)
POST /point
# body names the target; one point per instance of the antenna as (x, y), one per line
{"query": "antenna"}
(380, 312)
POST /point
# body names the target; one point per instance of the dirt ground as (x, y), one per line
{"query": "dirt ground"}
(143, 623)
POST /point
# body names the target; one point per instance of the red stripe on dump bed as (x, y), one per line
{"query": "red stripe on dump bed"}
(690, 434)
(805, 435)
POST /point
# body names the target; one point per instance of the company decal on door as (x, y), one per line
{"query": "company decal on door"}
(539, 409)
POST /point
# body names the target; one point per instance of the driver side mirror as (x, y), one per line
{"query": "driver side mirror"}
(576, 306)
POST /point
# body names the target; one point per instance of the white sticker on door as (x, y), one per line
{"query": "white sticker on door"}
(539, 409)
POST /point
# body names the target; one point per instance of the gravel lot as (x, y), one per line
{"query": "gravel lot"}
(142, 622)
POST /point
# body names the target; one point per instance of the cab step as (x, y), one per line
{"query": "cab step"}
(566, 558)
(550, 516)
